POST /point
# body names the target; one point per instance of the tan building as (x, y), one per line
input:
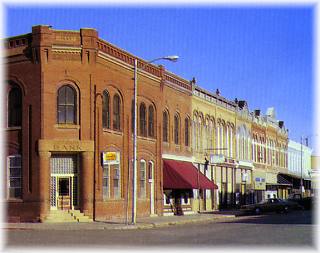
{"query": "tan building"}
(214, 147)
(244, 174)
(269, 155)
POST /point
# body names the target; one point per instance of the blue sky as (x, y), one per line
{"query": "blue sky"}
(260, 54)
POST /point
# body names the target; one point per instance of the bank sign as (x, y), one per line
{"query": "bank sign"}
(108, 158)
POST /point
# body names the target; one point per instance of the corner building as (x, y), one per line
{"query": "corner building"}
(70, 126)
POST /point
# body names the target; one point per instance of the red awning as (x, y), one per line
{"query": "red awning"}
(184, 175)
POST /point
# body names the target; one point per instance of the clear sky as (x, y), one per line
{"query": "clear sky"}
(260, 54)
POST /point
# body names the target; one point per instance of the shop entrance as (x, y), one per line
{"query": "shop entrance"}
(64, 186)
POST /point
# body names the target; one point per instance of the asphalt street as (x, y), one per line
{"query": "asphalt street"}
(292, 230)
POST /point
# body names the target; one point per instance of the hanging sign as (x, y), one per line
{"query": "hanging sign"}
(217, 159)
(110, 158)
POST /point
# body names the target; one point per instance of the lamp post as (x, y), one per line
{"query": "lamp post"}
(301, 180)
(172, 58)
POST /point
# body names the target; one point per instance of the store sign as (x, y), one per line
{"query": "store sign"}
(259, 180)
(110, 158)
(217, 159)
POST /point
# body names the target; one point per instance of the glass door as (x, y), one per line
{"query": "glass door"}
(64, 193)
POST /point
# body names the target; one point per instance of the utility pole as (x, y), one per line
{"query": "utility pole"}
(301, 180)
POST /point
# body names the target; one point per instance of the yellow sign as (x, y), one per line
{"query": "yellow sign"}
(110, 158)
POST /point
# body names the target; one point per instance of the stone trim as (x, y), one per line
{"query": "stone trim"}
(65, 146)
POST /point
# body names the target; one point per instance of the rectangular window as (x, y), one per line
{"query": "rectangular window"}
(14, 177)
(142, 192)
(111, 184)
(116, 181)
(106, 183)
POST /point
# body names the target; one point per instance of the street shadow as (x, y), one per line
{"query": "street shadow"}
(293, 217)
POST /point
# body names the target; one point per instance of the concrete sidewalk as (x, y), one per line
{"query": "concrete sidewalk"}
(142, 223)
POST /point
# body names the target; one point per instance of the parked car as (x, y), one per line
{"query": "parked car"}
(270, 205)
(306, 202)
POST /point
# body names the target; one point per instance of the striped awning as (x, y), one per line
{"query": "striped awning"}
(282, 181)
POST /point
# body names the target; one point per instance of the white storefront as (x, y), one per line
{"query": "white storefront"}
(294, 159)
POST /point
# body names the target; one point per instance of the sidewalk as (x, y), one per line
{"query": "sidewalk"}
(142, 223)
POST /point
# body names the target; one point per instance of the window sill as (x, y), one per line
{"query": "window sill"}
(14, 200)
(67, 126)
(147, 138)
(13, 128)
(117, 132)
(112, 200)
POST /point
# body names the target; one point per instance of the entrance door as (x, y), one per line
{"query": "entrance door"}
(64, 196)
(64, 187)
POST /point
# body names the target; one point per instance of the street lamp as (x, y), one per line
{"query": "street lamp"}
(172, 58)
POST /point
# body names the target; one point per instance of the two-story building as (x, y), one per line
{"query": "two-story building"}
(70, 126)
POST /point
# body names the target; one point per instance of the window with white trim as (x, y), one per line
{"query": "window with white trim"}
(106, 182)
(142, 192)
(14, 177)
(116, 181)
(111, 181)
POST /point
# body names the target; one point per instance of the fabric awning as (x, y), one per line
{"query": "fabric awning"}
(184, 175)
(283, 181)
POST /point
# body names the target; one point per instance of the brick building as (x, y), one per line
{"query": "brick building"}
(69, 126)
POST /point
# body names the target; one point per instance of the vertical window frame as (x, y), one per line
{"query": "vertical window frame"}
(165, 122)
(14, 100)
(106, 109)
(106, 189)
(187, 132)
(9, 177)
(143, 120)
(151, 124)
(64, 105)
(176, 129)
(142, 179)
(116, 121)
(116, 177)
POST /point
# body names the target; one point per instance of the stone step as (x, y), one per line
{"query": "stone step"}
(84, 219)
(67, 216)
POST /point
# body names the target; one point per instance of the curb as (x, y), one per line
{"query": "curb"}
(92, 226)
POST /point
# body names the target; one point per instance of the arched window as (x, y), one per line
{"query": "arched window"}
(116, 112)
(165, 126)
(15, 107)
(186, 132)
(151, 121)
(143, 120)
(67, 105)
(106, 110)
(176, 129)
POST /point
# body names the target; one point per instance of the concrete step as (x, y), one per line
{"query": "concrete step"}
(67, 216)
(84, 219)
(59, 216)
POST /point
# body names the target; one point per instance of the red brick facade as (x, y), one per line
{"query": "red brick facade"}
(42, 62)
